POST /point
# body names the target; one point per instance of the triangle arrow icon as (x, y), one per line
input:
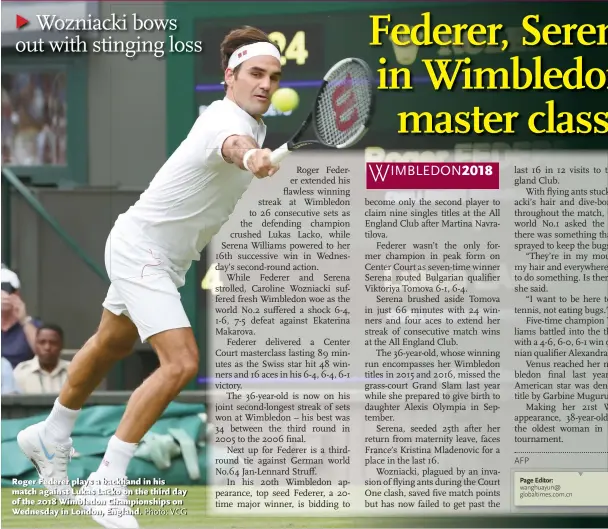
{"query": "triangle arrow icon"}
(22, 22)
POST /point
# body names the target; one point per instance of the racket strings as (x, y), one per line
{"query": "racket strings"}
(344, 106)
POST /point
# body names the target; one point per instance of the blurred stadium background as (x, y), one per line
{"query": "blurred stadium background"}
(83, 134)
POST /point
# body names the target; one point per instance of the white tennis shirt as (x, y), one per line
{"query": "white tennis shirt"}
(196, 190)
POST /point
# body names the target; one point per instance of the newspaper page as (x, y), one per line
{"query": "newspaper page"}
(405, 326)
(375, 350)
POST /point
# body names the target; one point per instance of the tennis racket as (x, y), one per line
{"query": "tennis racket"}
(342, 111)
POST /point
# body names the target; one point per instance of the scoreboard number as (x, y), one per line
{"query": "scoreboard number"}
(295, 50)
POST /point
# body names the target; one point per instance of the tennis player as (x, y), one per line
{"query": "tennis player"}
(147, 255)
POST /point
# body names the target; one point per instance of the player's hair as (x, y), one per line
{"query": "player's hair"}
(238, 38)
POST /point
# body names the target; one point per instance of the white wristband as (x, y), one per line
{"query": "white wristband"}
(248, 155)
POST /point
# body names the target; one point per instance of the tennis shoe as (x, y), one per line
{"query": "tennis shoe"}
(49, 458)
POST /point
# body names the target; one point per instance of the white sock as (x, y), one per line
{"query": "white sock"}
(117, 457)
(60, 422)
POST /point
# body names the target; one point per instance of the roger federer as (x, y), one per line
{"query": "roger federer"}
(147, 255)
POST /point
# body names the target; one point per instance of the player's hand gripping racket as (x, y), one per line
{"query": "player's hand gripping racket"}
(342, 111)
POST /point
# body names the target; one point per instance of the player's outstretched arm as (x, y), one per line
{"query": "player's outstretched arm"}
(235, 148)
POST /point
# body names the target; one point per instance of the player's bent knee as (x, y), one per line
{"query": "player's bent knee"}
(181, 371)
(191, 367)
(178, 354)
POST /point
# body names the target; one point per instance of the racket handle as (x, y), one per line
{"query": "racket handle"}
(278, 154)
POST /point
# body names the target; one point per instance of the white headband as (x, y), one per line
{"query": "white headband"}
(253, 50)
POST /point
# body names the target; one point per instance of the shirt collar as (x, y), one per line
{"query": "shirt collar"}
(254, 122)
(36, 367)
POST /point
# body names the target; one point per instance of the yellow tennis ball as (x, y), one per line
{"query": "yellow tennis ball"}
(285, 99)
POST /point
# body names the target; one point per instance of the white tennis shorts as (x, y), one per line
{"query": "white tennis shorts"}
(143, 286)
